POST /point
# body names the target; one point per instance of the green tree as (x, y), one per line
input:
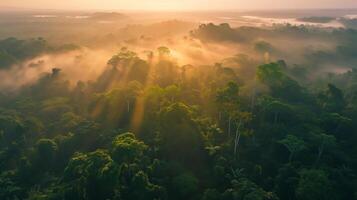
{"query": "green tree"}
(293, 144)
(126, 148)
(325, 142)
(332, 99)
(180, 136)
(280, 84)
(247, 190)
(314, 184)
(228, 100)
(90, 176)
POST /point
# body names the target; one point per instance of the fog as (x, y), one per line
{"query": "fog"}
(178, 105)
(180, 4)
(259, 39)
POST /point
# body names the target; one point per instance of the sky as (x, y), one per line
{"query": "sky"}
(178, 4)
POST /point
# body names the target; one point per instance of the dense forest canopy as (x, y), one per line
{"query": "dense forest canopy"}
(218, 113)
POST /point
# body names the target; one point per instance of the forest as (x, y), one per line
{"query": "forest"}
(212, 113)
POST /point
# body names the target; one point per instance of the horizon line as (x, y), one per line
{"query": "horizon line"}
(15, 8)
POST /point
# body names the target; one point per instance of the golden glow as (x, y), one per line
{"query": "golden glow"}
(178, 4)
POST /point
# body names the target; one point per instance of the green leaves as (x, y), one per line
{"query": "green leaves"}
(126, 148)
(280, 84)
(8, 187)
(247, 190)
(314, 184)
(293, 144)
(179, 149)
(123, 57)
(229, 94)
(332, 99)
(179, 137)
(13, 50)
(94, 174)
(270, 74)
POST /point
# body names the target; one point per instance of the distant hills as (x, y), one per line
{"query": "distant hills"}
(107, 16)
(317, 19)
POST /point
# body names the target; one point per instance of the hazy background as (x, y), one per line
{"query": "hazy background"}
(178, 4)
(80, 36)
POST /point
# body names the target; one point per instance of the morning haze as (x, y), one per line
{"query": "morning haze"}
(179, 4)
(178, 100)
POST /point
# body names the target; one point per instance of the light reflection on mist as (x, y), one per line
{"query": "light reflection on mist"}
(87, 64)
(81, 65)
